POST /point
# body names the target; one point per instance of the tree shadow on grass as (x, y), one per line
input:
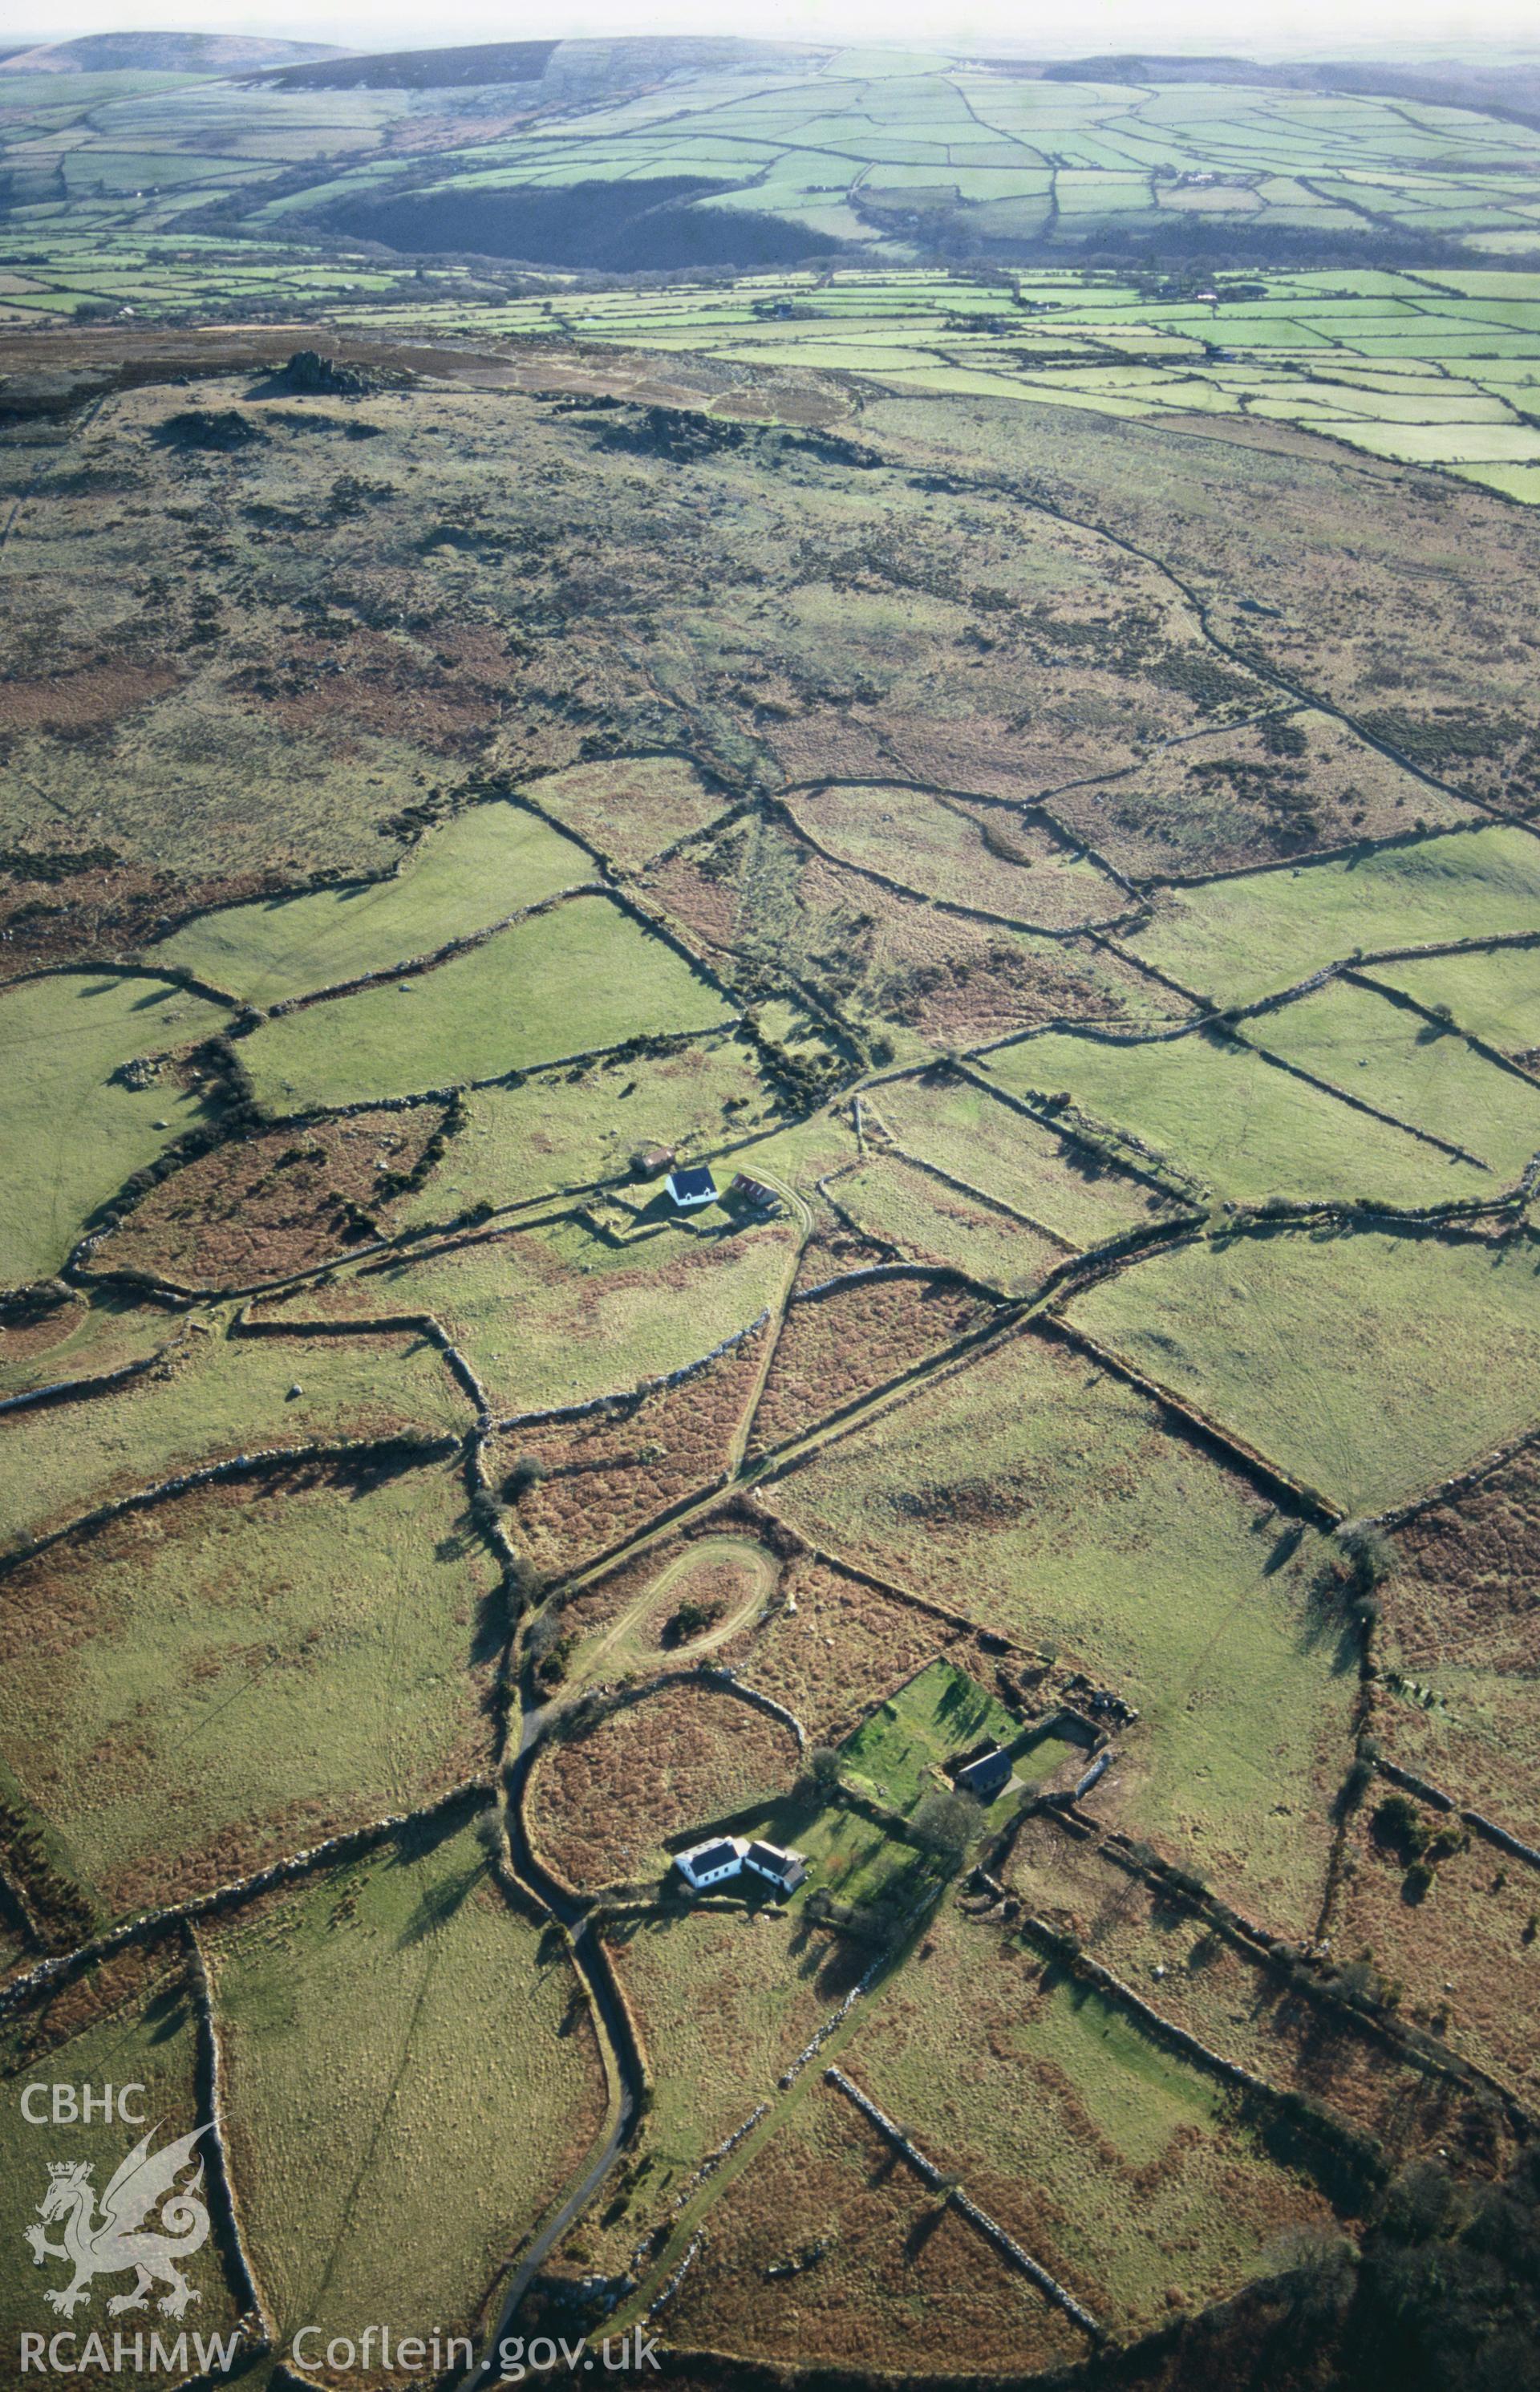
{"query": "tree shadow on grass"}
(436, 1905)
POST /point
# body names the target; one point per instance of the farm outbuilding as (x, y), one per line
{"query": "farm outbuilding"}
(779, 1865)
(754, 1192)
(988, 1774)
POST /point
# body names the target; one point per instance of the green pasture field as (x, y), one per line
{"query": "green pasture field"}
(571, 1129)
(937, 1716)
(970, 1131)
(350, 2149)
(1119, 2165)
(552, 1316)
(1209, 1107)
(1493, 993)
(630, 807)
(1247, 937)
(937, 852)
(137, 2025)
(929, 1221)
(1331, 1353)
(1479, 443)
(847, 1856)
(582, 977)
(214, 1397)
(459, 878)
(970, 143)
(1042, 1498)
(1521, 482)
(71, 1133)
(236, 1674)
(1410, 1067)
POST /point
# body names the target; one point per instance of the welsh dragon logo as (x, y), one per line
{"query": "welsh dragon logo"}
(118, 2240)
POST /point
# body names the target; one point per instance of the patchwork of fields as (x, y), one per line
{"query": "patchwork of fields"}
(772, 1087)
(1434, 366)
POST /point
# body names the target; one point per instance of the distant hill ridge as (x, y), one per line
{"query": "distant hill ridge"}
(157, 54)
(1511, 90)
(482, 63)
(472, 63)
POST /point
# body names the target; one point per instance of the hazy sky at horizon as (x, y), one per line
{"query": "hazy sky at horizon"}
(1257, 27)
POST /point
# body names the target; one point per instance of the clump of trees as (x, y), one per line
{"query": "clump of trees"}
(1419, 1846)
(693, 1619)
(63, 1913)
(1361, 1557)
(945, 1823)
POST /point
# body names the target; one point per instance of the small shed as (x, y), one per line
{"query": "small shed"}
(689, 1186)
(779, 1866)
(711, 1863)
(988, 1775)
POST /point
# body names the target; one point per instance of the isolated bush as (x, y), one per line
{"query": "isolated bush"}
(527, 1472)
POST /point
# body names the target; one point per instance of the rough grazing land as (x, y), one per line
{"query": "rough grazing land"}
(579, 1486)
(926, 1218)
(897, 2281)
(845, 1646)
(1119, 2166)
(724, 2005)
(855, 729)
(835, 1346)
(1240, 2006)
(604, 1800)
(557, 1316)
(590, 1122)
(280, 1202)
(207, 1399)
(1463, 1951)
(1459, 1651)
(884, 956)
